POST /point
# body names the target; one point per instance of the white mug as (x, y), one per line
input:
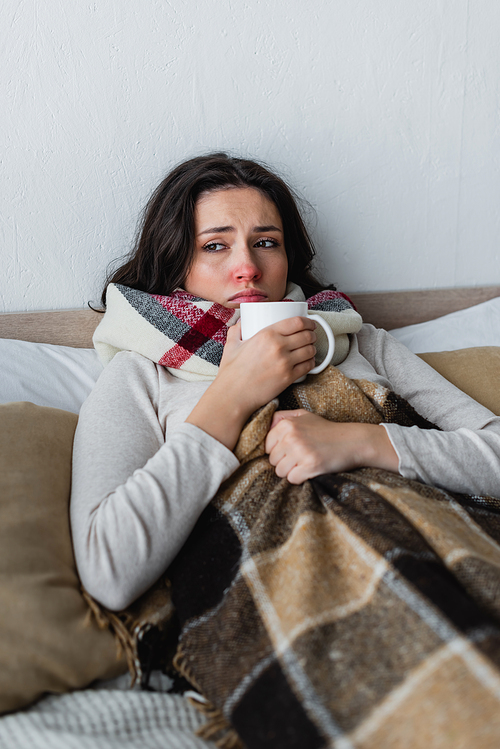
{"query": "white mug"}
(258, 315)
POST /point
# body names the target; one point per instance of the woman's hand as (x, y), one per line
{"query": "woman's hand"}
(252, 373)
(270, 361)
(302, 445)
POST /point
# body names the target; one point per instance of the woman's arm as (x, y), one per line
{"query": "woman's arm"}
(252, 373)
(463, 457)
(136, 495)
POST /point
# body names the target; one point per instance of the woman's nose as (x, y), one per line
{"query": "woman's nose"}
(246, 267)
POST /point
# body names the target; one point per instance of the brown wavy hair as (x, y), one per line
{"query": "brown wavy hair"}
(164, 247)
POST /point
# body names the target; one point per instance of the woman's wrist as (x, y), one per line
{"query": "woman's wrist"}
(377, 450)
(221, 413)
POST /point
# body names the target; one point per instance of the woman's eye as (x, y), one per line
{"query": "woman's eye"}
(266, 243)
(213, 247)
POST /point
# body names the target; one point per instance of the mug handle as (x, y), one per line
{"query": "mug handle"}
(331, 344)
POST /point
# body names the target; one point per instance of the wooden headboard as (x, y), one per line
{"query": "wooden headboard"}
(391, 309)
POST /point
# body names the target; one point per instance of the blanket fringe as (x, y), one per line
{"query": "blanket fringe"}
(137, 628)
(109, 620)
(216, 723)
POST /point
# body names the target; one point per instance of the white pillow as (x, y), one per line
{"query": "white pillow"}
(474, 326)
(47, 375)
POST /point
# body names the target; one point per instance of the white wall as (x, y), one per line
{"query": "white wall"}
(383, 114)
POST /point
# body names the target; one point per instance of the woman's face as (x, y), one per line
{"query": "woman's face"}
(240, 252)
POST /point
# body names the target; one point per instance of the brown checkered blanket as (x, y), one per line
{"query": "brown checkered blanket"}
(356, 610)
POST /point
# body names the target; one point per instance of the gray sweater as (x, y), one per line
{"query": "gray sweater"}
(141, 476)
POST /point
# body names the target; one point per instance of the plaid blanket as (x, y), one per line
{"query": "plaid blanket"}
(356, 610)
(186, 334)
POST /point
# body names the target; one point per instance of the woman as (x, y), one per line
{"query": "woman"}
(152, 447)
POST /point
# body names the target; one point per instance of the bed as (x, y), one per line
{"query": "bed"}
(47, 360)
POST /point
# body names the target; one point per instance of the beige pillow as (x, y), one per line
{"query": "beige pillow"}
(476, 371)
(46, 642)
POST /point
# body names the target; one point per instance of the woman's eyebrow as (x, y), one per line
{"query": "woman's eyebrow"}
(269, 227)
(216, 230)
(225, 229)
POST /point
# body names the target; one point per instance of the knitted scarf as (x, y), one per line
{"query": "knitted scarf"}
(186, 334)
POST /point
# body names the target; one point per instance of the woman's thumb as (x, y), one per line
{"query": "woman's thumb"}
(280, 415)
(234, 332)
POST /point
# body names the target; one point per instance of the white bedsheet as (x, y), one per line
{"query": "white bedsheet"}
(110, 716)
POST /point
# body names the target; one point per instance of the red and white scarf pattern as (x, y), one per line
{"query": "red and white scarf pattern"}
(186, 334)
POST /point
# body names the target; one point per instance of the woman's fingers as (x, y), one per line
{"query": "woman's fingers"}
(303, 354)
(297, 346)
(283, 440)
(293, 325)
(300, 339)
(284, 415)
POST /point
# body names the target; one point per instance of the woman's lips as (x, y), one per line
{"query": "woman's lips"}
(250, 295)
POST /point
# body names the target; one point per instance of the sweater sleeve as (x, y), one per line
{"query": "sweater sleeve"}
(136, 495)
(465, 455)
